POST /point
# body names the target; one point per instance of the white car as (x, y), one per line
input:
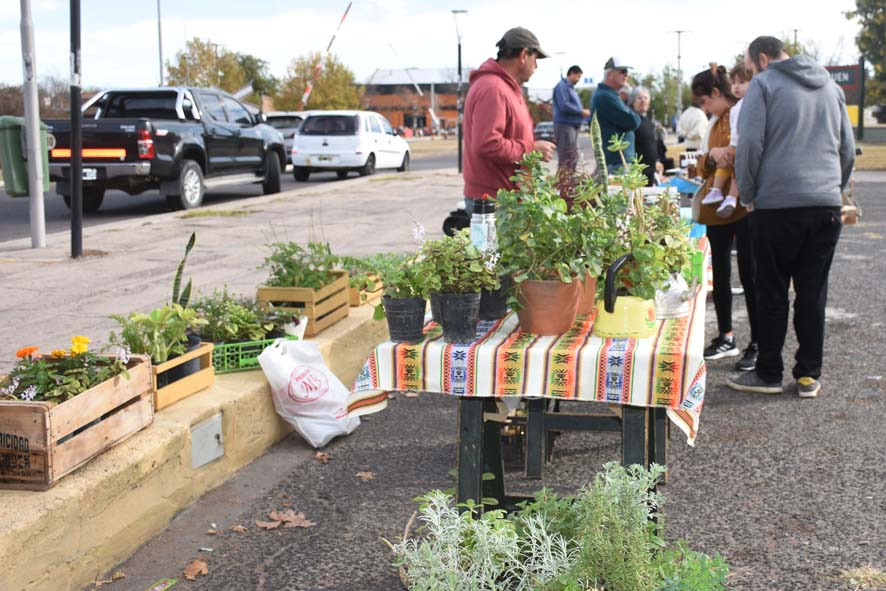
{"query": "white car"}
(287, 123)
(344, 141)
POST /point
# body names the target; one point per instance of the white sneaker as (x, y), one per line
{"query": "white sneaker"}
(713, 196)
(725, 210)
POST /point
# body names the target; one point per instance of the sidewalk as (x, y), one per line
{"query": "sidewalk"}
(47, 297)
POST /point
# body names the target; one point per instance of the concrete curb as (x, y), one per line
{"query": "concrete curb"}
(64, 538)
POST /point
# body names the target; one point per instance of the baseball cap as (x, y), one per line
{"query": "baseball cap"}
(520, 38)
(616, 63)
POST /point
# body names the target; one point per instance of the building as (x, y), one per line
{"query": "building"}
(416, 98)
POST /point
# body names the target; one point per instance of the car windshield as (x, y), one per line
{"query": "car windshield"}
(156, 105)
(329, 125)
(284, 122)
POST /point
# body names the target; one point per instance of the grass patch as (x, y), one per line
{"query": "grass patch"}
(395, 177)
(865, 577)
(873, 158)
(433, 146)
(216, 213)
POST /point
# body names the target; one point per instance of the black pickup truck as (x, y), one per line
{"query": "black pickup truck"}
(179, 140)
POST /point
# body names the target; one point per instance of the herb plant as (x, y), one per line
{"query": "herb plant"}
(61, 375)
(291, 265)
(457, 266)
(162, 333)
(183, 297)
(231, 319)
(361, 270)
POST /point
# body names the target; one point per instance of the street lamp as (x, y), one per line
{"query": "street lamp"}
(459, 106)
(160, 42)
(560, 55)
(679, 74)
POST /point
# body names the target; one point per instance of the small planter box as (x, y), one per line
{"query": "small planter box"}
(364, 296)
(40, 442)
(175, 391)
(323, 307)
(242, 356)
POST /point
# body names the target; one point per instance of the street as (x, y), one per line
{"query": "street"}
(117, 206)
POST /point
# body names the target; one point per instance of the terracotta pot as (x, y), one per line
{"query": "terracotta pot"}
(587, 295)
(548, 307)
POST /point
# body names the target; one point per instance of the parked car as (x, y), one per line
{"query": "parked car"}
(344, 141)
(287, 123)
(179, 140)
(544, 130)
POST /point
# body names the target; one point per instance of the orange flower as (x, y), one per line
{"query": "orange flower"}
(59, 353)
(25, 352)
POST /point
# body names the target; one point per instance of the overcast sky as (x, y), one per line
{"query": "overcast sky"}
(119, 37)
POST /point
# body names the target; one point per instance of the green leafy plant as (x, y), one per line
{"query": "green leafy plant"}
(363, 270)
(229, 318)
(292, 265)
(602, 173)
(457, 266)
(61, 375)
(603, 537)
(161, 334)
(412, 279)
(183, 298)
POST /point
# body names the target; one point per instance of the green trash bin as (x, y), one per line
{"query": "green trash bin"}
(13, 160)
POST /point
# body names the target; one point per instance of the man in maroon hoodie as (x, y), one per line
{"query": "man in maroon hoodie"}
(497, 125)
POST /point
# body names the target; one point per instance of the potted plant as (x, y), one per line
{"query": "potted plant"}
(405, 299)
(459, 272)
(306, 282)
(364, 274)
(541, 246)
(66, 407)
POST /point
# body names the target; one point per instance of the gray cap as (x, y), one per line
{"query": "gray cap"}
(520, 38)
(615, 63)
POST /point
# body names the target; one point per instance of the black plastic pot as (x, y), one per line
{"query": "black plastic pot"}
(436, 308)
(406, 318)
(494, 304)
(460, 313)
(185, 369)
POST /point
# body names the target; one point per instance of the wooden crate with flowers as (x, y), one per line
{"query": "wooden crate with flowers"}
(59, 411)
(306, 283)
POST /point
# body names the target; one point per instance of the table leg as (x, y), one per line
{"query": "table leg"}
(469, 460)
(635, 436)
(535, 437)
(658, 439)
(492, 461)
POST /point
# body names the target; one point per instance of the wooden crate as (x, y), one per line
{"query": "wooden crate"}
(40, 442)
(202, 379)
(323, 307)
(358, 297)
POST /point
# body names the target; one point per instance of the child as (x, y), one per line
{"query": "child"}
(740, 77)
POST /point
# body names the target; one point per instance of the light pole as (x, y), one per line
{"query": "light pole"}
(459, 106)
(160, 42)
(560, 55)
(679, 74)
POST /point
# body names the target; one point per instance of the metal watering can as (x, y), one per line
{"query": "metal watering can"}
(623, 316)
(673, 301)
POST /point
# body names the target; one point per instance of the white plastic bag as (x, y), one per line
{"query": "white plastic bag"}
(306, 394)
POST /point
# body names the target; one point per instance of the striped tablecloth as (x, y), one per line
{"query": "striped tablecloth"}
(665, 370)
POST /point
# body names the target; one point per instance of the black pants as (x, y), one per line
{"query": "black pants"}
(720, 239)
(793, 244)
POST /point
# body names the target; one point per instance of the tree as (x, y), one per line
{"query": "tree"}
(663, 93)
(334, 87)
(871, 41)
(204, 63)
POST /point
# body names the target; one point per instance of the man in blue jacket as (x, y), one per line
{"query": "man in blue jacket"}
(568, 116)
(614, 116)
(794, 157)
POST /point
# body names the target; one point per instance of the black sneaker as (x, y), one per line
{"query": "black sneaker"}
(721, 347)
(749, 381)
(748, 361)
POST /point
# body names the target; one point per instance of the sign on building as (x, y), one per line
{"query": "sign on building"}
(849, 79)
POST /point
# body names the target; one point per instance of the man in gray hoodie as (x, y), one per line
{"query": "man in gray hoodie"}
(794, 157)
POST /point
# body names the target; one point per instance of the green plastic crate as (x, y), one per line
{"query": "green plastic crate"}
(243, 356)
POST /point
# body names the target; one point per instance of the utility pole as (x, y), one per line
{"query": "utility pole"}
(795, 39)
(679, 73)
(459, 105)
(32, 130)
(76, 178)
(160, 42)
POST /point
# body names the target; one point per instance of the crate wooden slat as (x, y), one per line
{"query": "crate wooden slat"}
(175, 391)
(41, 442)
(323, 307)
(358, 297)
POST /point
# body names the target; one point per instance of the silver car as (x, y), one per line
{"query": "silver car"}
(287, 123)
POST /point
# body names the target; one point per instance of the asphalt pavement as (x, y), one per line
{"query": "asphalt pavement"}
(789, 490)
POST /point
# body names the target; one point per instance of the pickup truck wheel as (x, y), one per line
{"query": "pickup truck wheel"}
(369, 167)
(341, 174)
(271, 184)
(301, 173)
(404, 167)
(190, 186)
(92, 199)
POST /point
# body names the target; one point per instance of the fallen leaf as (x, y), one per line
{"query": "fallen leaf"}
(286, 504)
(195, 569)
(268, 524)
(211, 532)
(285, 516)
(102, 582)
(299, 521)
(364, 476)
(322, 456)
(118, 575)
(238, 528)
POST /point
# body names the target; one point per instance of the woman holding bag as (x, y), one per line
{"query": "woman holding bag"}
(713, 92)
